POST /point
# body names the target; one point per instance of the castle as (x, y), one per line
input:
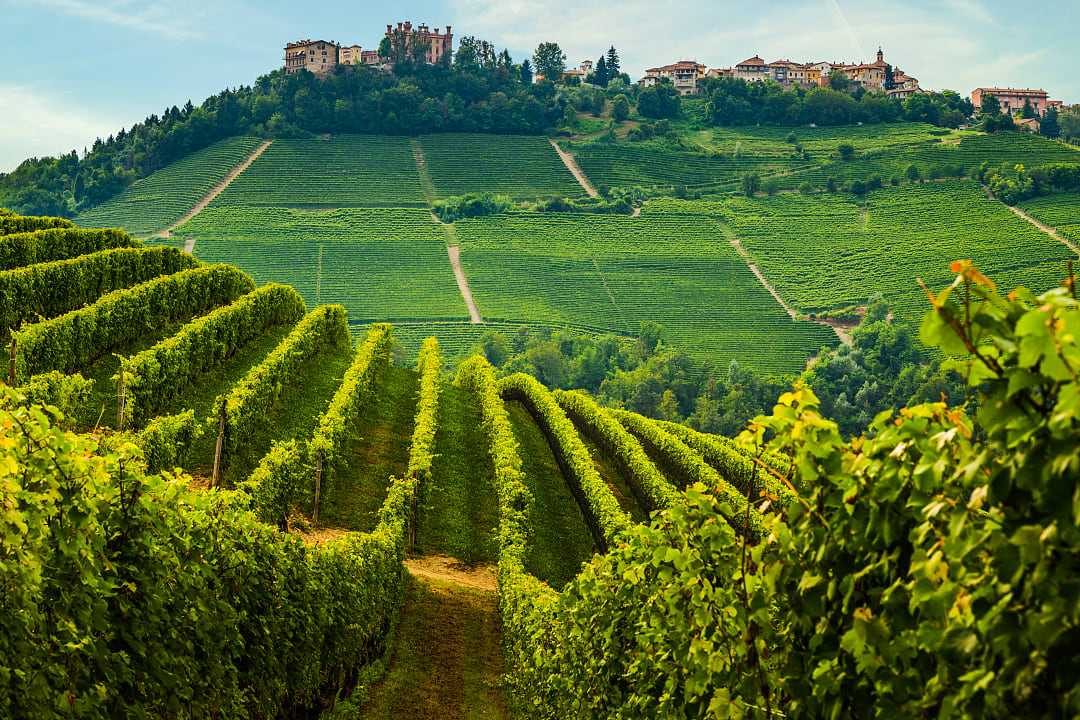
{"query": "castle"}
(322, 56)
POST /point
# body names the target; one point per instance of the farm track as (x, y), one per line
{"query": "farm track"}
(575, 170)
(216, 190)
(454, 252)
(1020, 213)
(841, 330)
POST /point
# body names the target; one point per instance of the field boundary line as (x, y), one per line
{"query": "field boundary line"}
(571, 164)
(1022, 214)
(454, 253)
(217, 189)
(189, 245)
(607, 289)
(841, 332)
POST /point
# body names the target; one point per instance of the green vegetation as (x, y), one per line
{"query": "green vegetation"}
(158, 200)
(339, 171)
(614, 273)
(517, 166)
(830, 252)
(27, 248)
(380, 264)
(1059, 211)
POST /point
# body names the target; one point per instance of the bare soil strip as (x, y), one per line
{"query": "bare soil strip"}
(1046, 229)
(216, 190)
(452, 570)
(463, 284)
(427, 185)
(189, 245)
(572, 166)
(840, 328)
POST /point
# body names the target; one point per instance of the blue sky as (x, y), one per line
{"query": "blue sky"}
(76, 69)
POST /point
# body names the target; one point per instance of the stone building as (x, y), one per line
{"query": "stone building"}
(439, 44)
(684, 75)
(1012, 99)
(317, 56)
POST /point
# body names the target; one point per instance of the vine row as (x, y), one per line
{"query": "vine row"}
(27, 248)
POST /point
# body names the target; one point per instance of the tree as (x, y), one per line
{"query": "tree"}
(659, 101)
(913, 172)
(751, 183)
(549, 61)
(1070, 123)
(1027, 112)
(620, 108)
(1050, 127)
(614, 66)
(467, 57)
(600, 74)
(846, 151)
(838, 80)
(526, 72)
(990, 105)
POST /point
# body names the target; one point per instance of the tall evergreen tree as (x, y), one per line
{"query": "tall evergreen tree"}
(614, 67)
(600, 74)
(550, 61)
(526, 72)
(1050, 127)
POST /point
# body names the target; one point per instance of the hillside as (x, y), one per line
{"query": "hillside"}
(368, 538)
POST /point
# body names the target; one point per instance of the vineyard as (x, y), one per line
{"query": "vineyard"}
(379, 263)
(154, 202)
(614, 273)
(342, 171)
(518, 166)
(1060, 211)
(826, 252)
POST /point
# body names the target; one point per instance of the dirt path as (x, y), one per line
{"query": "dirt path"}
(452, 570)
(842, 332)
(572, 166)
(189, 245)
(463, 284)
(216, 190)
(1040, 225)
(427, 185)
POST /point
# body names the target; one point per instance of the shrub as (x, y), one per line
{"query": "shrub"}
(620, 108)
(846, 151)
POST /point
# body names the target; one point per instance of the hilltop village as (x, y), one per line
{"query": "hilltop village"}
(433, 45)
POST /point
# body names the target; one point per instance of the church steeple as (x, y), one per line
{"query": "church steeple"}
(880, 55)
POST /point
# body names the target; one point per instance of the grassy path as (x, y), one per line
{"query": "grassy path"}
(380, 449)
(609, 470)
(459, 510)
(561, 540)
(446, 661)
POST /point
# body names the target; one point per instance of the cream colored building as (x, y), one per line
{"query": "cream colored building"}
(317, 56)
(684, 75)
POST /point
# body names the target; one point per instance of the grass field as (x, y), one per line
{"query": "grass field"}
(825, 252)
(158, 200)
(340, 171)
(380, 264)
(819, 141)
(616, 272)
(518, 166)
(1060, 211)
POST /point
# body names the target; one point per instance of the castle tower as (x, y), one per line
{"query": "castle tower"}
(880, 56)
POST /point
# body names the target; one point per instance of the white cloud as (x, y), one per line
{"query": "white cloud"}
(167, 18)
(35, 125)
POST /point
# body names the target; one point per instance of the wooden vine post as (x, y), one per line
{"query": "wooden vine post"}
(219, 446)
(318, 487)
(11, 362)
(121, 397)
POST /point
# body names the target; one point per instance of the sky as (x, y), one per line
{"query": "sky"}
(78, 69)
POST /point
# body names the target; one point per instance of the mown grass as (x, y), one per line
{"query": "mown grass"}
(379, 450)
(446, 661)
(561, 540)
(459, 508)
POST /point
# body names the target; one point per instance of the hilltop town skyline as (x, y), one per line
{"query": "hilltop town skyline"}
(172, 51)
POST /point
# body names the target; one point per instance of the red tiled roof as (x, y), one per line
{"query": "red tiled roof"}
(1011, 91)
(752, 61)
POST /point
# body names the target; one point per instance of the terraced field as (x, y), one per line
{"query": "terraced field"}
(829, 251)
(1061, 211)
(158, 200)
(820, 140)
(338, 171)
(514, 165)
(379, 263)
(617, 272)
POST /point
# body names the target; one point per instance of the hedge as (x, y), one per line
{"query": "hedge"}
(179, 604)
(652, 489)
(605, 517)
(11, 224)
(246, 406)
(167, 440)
(76, 339)
(67, 394)
(21, 249)
(422, 450)
(156, 376)
(693, 469)
(52, 288)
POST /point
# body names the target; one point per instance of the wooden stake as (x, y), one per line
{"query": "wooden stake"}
(215, 478)
(318, 487)
(121, 398)
(11, 363)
